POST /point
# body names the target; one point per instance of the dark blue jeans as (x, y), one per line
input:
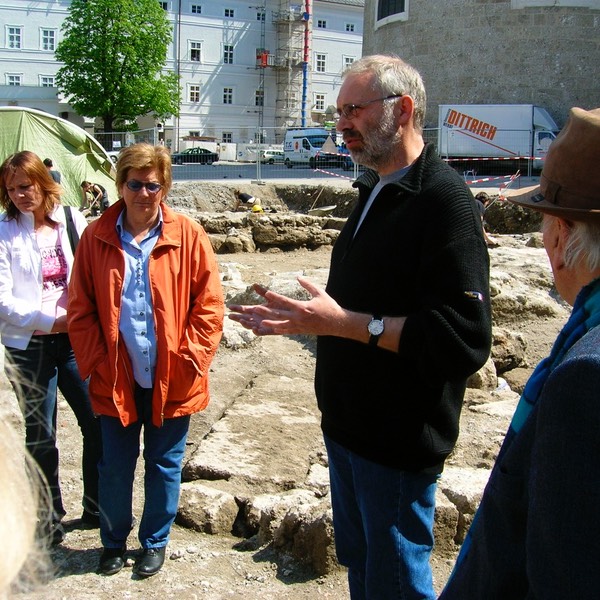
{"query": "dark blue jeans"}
(383, 525)
(36, 373)
(164, 448)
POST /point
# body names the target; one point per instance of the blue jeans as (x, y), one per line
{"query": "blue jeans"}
(164, 448)
(48, 364)
(383, 525)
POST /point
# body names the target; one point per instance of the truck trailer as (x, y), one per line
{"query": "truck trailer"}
(470, 133)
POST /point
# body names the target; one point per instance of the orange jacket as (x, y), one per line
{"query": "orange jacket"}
(188, 312)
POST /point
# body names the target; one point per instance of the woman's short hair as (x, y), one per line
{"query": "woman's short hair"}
(145, 156)
(34, 168)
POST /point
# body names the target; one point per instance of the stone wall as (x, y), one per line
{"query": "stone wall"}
(485, 51)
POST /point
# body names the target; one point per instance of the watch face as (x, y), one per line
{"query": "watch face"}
(375, 327)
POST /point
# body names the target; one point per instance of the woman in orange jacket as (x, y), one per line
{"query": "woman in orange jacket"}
(145, 319)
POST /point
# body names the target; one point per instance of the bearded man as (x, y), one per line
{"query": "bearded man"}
(404, 320)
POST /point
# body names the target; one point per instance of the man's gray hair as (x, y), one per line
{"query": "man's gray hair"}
(391, 75)
(583, 244)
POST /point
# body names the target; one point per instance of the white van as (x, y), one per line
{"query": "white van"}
(302, 145)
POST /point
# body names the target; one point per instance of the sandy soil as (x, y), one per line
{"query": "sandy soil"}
(207, 566)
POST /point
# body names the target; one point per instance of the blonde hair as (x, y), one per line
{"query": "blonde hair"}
(22, 500)
(144, 156)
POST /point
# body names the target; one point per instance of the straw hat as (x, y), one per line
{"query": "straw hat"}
(570, 181)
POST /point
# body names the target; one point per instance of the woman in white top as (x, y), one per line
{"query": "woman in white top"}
(36, 259)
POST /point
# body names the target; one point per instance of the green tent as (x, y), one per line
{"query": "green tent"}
(75, 154)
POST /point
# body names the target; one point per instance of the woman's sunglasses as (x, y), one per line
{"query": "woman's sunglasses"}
(152, 186)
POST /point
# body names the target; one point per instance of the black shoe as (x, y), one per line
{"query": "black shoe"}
(150, 562)
(90, 519)
(112, 560)
(57, 533)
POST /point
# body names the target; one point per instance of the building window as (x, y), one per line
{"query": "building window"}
(321, 24)
(320, 102)
(196, 51)
(229, 13)
(196, 9)
(194, 134)
(47, 81)
(227, 137)
(164, 5)
(14, 36)
(261, 15)
(350, 27)
(259, 98)
(320, 63)
(348, 60)
(391, 8)
(48, 41)
(227, 54)
(14, 79)
(227, 95)
(194, 93)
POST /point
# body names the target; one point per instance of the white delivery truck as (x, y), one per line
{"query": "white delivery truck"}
(493, 131)
(313, 146)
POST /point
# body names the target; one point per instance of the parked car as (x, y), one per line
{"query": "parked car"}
(194, 155)
(272, 156)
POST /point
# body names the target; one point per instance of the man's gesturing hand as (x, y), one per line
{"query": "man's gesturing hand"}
(320, 315)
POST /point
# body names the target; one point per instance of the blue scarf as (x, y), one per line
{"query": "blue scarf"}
(585, 316)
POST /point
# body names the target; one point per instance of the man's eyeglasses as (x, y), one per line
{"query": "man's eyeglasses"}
(152, 186)
(349, 111)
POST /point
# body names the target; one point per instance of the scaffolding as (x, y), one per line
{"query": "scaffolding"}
(290, 62)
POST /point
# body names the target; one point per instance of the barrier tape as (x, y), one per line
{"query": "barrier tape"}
(511, 179)
(505, 186)
(469, 159)
(333, 174)
(471, 181)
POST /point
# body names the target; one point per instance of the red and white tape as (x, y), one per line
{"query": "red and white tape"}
(469, 159)
(333, 174)
(505, 186)
(471, 181)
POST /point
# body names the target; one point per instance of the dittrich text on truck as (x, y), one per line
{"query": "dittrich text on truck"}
(509, 136)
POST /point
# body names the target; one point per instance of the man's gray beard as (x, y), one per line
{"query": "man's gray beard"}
(379, 147)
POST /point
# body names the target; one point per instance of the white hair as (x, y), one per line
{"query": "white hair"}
(583, 243)
(391, 75)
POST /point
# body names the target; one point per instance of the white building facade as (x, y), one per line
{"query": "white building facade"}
(247, 72)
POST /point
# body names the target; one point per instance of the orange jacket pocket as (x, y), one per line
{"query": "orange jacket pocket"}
(184, 379)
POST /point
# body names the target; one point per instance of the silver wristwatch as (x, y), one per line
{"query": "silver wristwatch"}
(375, 327)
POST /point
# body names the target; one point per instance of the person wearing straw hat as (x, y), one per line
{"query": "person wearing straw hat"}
(536, 533)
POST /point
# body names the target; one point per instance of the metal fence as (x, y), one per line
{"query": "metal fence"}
(247, 153)
(115, 140)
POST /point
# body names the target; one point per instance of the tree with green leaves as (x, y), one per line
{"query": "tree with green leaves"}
(113, 53)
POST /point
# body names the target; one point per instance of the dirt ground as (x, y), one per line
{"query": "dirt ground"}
(202, 566)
